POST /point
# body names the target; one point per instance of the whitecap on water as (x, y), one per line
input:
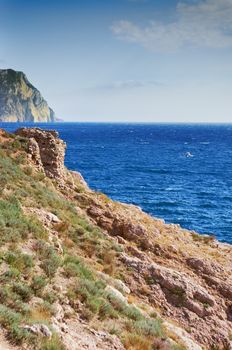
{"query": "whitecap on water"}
(189, 155)
(173, 189)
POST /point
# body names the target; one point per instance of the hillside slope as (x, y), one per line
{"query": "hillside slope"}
(80, 271)
(20, 101)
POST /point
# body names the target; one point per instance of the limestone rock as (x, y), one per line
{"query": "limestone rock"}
(132, 232)
(34, 152)
(115, 292)
(39, 329)
(114, 282)
(51, 150)
(183, 336)
(47, 218)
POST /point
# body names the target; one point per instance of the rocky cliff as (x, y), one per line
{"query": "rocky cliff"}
(80, 271)
(20, 101)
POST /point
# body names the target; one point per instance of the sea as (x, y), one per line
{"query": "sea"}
(181, 173)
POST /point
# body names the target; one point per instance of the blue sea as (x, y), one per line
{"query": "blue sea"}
(180, 173)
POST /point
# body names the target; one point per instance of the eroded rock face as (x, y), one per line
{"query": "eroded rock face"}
(120, 226)
(184, 298)
(47, 150)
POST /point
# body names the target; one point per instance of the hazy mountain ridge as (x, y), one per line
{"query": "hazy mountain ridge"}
(20, 101)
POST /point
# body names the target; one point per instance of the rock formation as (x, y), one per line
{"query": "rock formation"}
(47, 150)
(20, 101)
(116, 277)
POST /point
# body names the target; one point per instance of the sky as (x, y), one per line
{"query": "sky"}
(124, 60)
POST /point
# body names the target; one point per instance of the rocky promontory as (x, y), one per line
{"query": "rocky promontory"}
(80, 271)
(20, 101)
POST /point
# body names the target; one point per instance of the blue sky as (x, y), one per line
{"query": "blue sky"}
(124, 60)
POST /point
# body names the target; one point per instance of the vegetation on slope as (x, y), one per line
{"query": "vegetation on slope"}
(33, 255)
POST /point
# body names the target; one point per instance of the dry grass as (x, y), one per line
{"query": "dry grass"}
(109, 262)
(40, 312)
(136, 342)
(68, 243)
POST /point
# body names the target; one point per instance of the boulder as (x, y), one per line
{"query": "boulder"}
(131, 232)
(115, 292)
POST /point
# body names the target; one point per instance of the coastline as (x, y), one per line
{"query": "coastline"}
(155, 270)
(188, 191)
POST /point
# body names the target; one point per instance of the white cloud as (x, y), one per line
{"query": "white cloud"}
(207, 23)
(126, 85)
(131, 84)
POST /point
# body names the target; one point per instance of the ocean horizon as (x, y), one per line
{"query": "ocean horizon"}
(178, 172)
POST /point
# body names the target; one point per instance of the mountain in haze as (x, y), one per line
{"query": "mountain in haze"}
(20, 101)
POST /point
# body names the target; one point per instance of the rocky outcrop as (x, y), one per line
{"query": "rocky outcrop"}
(182, 278)
(47, 151)
(20, 101)
(185, 299)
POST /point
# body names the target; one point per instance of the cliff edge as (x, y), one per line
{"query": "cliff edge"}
(20, 101)
(80, 271)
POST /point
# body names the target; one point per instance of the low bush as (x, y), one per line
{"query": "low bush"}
(19, 260)
(149, 327)
(50, 259)
(38, 283)
(11, 321)
(51, 264)
(74, 267)
(52, 344)
(14, 225)
(23, 291)
(8, 317)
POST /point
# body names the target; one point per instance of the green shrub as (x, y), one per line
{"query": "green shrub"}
(19, 260)
(74, 267)
(8, 317)
(51, 264)
(15, 297)
(52, 344)
(5, 294)
(133, 313)
(23, 291)
(38, 283)
(21, 159)
(149, 327)
(117, 303)
(17, 335)
(50, 297)
(11, 274)
(50, 260)
(106, 310)
(14, 225)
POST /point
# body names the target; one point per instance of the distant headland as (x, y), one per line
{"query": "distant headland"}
(20, 101)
